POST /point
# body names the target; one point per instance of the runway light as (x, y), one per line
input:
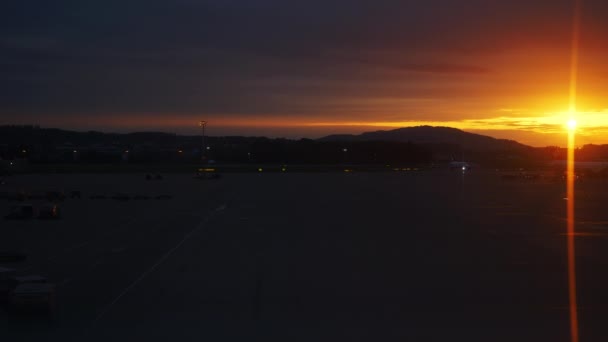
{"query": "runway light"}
(260, 169)
(464, 168)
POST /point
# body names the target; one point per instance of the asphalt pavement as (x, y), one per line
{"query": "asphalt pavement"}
(416, 256)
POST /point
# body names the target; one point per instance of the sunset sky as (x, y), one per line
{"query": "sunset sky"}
(304, 68)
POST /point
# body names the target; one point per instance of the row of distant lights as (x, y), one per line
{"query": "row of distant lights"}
(283, 169)
(351, 170)
(180, 151)
(127, 151)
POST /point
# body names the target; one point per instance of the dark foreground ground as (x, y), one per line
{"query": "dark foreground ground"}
(419, 256)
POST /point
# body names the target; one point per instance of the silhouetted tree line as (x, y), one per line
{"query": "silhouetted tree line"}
(592, 153)
(589, 152)
(47, 145)
(55, 145)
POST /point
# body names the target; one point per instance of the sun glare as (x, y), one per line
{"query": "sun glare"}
(571, 124)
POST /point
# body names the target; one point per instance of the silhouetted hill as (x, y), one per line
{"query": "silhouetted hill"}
(47, 145)
(409, 145)
(429, 135)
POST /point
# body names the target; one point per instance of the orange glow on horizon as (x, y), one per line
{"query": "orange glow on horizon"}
(536, 130)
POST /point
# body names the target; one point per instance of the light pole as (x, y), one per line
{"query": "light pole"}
(202, 125)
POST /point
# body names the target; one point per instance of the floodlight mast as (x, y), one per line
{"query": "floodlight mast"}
(202, 124)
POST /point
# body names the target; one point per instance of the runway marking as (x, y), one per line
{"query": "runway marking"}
(162, 259)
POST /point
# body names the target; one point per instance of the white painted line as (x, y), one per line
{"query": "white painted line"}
(158, 263)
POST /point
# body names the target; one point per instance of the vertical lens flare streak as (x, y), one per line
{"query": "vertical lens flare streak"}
(570, 176)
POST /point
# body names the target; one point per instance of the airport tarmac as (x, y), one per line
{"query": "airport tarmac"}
(415, 256)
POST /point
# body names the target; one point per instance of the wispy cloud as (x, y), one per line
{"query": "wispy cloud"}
(591, 122)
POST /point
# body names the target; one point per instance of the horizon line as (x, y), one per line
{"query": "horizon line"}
(275, 136)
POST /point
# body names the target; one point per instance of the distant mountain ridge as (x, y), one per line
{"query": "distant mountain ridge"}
(433, 135)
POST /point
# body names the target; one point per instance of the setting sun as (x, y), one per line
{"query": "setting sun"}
(571, 124)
